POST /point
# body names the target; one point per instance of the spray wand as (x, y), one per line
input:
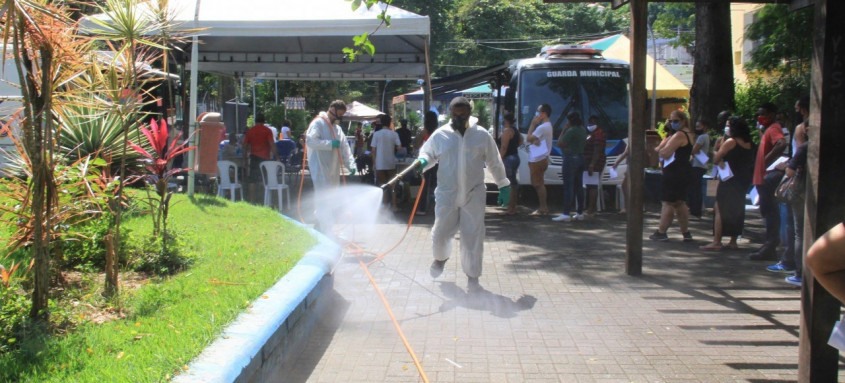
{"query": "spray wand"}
(418, 162)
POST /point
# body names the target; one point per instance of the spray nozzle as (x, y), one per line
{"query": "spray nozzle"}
(401, 174)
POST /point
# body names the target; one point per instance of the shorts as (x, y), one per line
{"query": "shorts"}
(255, 169)
(538, 171)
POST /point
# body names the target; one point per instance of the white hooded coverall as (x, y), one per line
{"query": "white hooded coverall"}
(460, 196)
(324, 162)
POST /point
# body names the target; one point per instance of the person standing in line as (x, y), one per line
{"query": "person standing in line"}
(675, 152)
(792, 260)
(540, 137)
(736, 152)
(772, 145)
(509, 149)
(259, 146)
(384, 146)
(462, 149)
(571, 142)
(695, 198)
(594, 160)
(324, 139)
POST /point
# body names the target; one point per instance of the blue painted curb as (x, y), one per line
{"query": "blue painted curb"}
(243, 340)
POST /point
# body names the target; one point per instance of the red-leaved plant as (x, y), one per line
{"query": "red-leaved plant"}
(157, 163)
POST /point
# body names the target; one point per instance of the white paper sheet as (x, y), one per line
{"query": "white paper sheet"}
(702, 157)
(591, 180)
(777, 162)
(837, 336)
(537, 152)
(669, 160)
(725, 172)
(611, 172)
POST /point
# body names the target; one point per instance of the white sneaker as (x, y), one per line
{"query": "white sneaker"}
(578, 217)
(562, 218)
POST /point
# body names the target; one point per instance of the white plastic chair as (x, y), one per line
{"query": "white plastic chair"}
(227, 179)
(605, 180)
(273, 174)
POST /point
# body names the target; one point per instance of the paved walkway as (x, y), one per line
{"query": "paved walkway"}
(556, 306)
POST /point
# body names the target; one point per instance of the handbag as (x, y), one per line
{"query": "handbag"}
(790, 189)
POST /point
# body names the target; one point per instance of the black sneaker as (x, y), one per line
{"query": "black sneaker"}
(687, 237)
(658, 236)
(437, 268)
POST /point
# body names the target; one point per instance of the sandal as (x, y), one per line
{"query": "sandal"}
(711, 247)
(539, 213)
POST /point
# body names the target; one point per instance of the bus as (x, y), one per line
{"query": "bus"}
(568, 78)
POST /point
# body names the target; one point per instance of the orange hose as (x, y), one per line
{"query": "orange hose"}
(358, 250)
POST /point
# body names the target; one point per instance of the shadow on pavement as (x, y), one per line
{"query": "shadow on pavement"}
(480, 299)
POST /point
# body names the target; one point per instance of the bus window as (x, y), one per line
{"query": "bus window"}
(559, 89)
(607, 98)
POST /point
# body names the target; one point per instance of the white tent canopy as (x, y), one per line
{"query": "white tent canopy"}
(295, 40)
(300, 40)
(357, 111)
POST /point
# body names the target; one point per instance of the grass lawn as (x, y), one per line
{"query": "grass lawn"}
(240, 251)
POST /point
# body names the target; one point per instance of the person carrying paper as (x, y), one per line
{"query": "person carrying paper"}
(736, 153)
(539, 137)
(675, 176)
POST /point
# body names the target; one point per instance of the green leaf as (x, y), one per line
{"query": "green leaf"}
(369, 48)
(356, 4)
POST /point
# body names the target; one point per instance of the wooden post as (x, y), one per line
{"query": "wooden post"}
(825, 203)
(427, 81)
(636, 139)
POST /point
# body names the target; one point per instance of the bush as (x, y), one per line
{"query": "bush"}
(783, 91)
(145, 254)
(84, 248)
(14, 309)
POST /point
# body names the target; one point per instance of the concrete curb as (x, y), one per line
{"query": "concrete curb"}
(238, 354)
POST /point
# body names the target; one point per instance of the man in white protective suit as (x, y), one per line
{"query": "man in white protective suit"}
(324, 140)
(462, 148)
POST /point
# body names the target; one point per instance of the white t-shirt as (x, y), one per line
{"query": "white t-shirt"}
(286, 133)
(386, 141)
(275, 132)
(544, 133)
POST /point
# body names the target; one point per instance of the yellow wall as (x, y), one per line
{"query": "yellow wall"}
(741, 16)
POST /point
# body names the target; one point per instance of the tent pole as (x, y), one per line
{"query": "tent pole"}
(192, 122)
(427, 86)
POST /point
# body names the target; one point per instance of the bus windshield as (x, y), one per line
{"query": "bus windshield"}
(602, 92)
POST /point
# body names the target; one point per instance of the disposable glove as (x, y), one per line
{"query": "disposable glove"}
(421, 164)
(335, 144)
(504, 195)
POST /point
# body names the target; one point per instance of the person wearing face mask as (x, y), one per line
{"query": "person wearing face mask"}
(462, 149)
(737, 152)
(594, 160)
(796, 167)
(324, 139)
(695, 198)
(571, 142)
(772, 145)
(722, 123)
(540, 133)
(675, 152)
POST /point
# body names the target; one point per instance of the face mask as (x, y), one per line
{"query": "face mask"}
(727, 130)
(591, 128)
(536, 114)
(675, 125)
(459, 122)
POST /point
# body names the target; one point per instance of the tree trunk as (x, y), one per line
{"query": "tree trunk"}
(111, 287)
(712, 77)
